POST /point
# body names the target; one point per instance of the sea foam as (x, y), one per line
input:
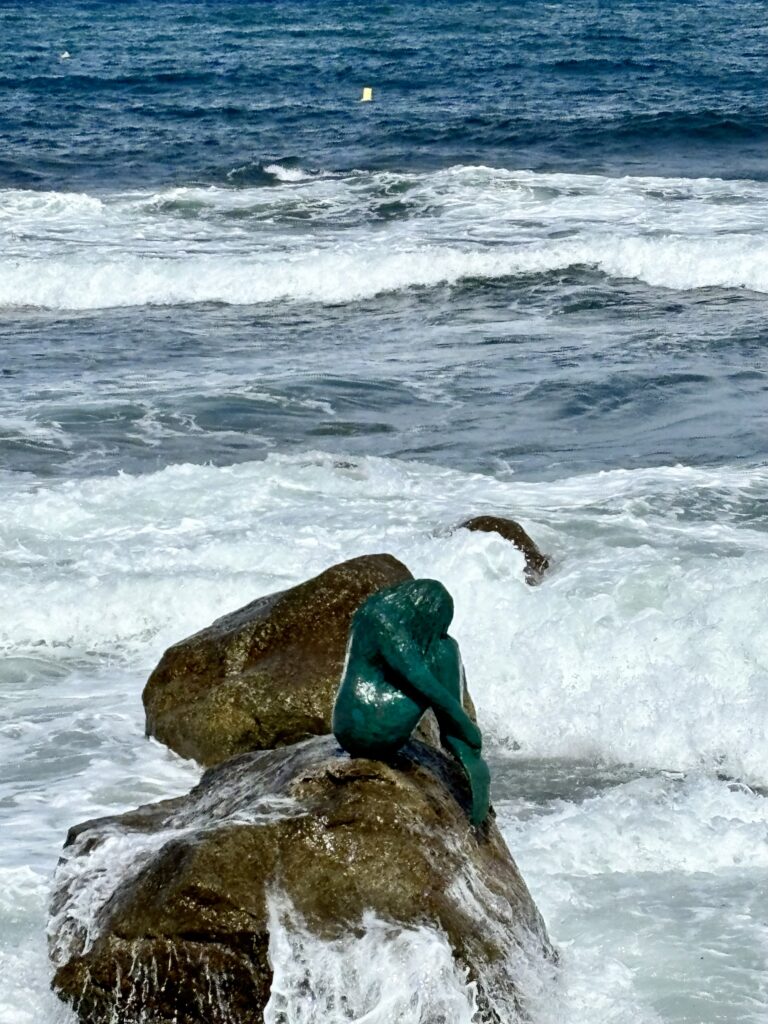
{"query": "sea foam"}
(309, 238)
(642, 645)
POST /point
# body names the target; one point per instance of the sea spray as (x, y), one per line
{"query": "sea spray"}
(381, 974)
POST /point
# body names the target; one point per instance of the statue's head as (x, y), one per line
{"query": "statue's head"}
(423, 607)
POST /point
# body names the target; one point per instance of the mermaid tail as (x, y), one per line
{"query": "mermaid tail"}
(477, 773)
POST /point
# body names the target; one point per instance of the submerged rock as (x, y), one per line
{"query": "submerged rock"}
(536, 563)
(163, 914)
(267, 674)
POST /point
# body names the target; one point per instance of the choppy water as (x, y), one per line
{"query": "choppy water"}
(250, 327)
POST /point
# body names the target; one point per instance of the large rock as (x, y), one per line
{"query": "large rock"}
(163, 914)
(536, 563)
(265, 675)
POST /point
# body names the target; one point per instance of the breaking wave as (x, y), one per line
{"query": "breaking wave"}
(643, 646)
(345, 238)
(343, 277)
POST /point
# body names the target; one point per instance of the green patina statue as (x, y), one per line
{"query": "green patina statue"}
(400, 662)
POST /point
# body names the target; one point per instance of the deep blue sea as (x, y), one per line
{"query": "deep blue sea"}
(250, 326)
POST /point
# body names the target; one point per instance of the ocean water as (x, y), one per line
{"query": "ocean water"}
(250, 326)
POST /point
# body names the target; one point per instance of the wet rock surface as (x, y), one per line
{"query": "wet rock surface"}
(267, 674)
(536, 563)
(162, 914)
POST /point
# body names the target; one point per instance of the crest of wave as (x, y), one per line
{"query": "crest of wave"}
(338, 275)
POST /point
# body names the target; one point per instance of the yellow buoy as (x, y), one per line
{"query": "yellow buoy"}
(367, 94)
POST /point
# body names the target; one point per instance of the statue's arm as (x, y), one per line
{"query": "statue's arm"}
(404, 656)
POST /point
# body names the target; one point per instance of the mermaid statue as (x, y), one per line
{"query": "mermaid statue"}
(400, 662)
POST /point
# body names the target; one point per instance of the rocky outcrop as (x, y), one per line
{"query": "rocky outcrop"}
(266, 675)
(165, 911)
(536, 563)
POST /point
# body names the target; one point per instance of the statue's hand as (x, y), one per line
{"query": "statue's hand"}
(465, 730)
(403, 654)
